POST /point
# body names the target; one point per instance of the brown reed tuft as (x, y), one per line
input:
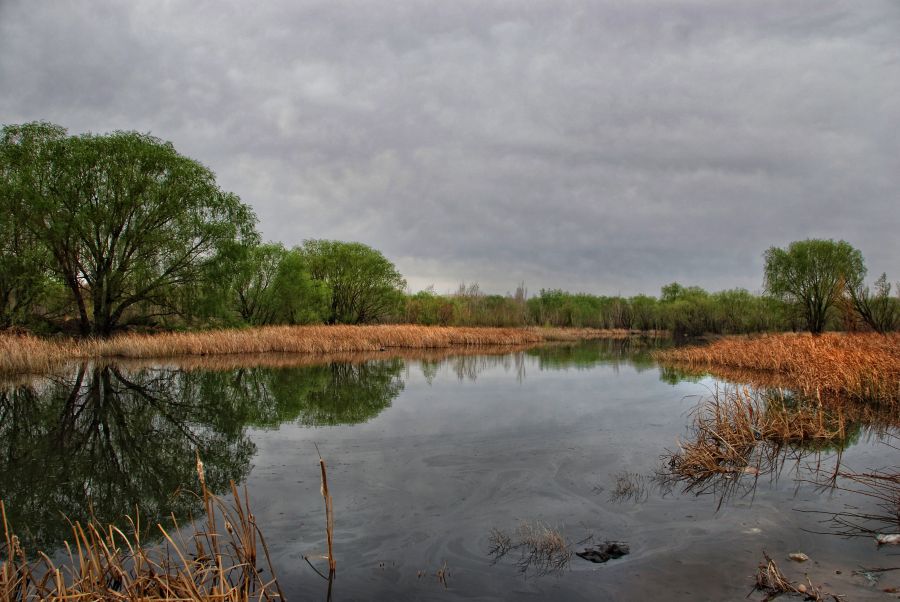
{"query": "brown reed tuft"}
(851, 366)
(541, 548)
(773, 582)
(20, 354)
(728, 428)
(105, 563)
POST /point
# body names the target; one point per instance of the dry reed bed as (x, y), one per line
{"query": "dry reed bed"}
(860, 367)
(105, 563)
(29, 354)
(727, 429)
(223, 363)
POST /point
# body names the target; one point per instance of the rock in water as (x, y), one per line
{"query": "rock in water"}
(604, 551)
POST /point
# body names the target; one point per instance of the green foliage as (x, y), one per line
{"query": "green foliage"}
(24, 262)
(258, 285)
(103, 442)
(686, 311)
(812, 274)
(106, 441)
(296, 296)
(559, 308)
(877, 309)
(363, 285)
(126, 219)
(23, 274)
(429, 309)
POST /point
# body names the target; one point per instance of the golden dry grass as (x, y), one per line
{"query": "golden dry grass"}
(861, 367)
(731, 426)
(29, 354)
(105, 563)
(542, 549)
(221, 363)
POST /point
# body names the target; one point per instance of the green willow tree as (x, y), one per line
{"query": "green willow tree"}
(125, 218)
(24, 262)
(364, 285)
(813, 274)
(261, 285)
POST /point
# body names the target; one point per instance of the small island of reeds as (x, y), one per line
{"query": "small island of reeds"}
(849, 366)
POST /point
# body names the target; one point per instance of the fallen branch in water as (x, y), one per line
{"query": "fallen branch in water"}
(772, 581)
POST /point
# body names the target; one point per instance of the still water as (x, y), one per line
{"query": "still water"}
(427, 454)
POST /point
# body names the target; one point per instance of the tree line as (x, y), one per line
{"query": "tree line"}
(109, 232)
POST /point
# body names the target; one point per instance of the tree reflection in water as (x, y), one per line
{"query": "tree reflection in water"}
(109, 440)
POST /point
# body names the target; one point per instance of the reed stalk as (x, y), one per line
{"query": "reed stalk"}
(106, 563)
(329, 518)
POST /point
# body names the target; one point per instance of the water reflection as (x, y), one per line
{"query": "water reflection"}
(741, 434)
(113, 440)
(635, 352)
(586, 355)
(116, 440)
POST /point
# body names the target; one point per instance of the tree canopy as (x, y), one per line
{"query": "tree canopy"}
(261, 284)
(124, 218)
(364, 285)
(813, 274)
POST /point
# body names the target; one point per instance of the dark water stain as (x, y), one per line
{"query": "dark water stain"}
(426, 457)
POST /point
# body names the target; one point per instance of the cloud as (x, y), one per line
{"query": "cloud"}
(608, 147)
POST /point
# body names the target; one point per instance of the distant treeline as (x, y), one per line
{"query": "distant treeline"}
(102, 233)
(683, 310)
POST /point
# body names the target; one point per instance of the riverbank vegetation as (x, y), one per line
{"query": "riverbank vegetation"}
(861, 367)
(107, 563)
(119, 232)
(741, 431)
(24, 353)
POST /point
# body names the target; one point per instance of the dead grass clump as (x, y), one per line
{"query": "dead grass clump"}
(629, 486)
(737, 431)
(850, 366)
(105, 563)
(772, 581)
(541, 548)
(26, 354)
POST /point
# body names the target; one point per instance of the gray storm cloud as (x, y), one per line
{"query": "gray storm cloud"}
(604, 147)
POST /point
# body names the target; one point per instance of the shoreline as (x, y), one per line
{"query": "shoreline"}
(861, 367)
(22, 354)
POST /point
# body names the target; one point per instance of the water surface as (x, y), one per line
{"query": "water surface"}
(425, 457)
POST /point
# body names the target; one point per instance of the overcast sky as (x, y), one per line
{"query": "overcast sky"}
(606, 147)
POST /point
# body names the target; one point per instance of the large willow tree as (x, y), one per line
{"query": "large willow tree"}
(813, 274)
(364, 285)
(126, 220)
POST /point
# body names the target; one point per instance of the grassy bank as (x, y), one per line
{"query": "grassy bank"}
(21, 354)
(860, 367)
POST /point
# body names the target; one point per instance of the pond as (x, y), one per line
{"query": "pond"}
(429, 455)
